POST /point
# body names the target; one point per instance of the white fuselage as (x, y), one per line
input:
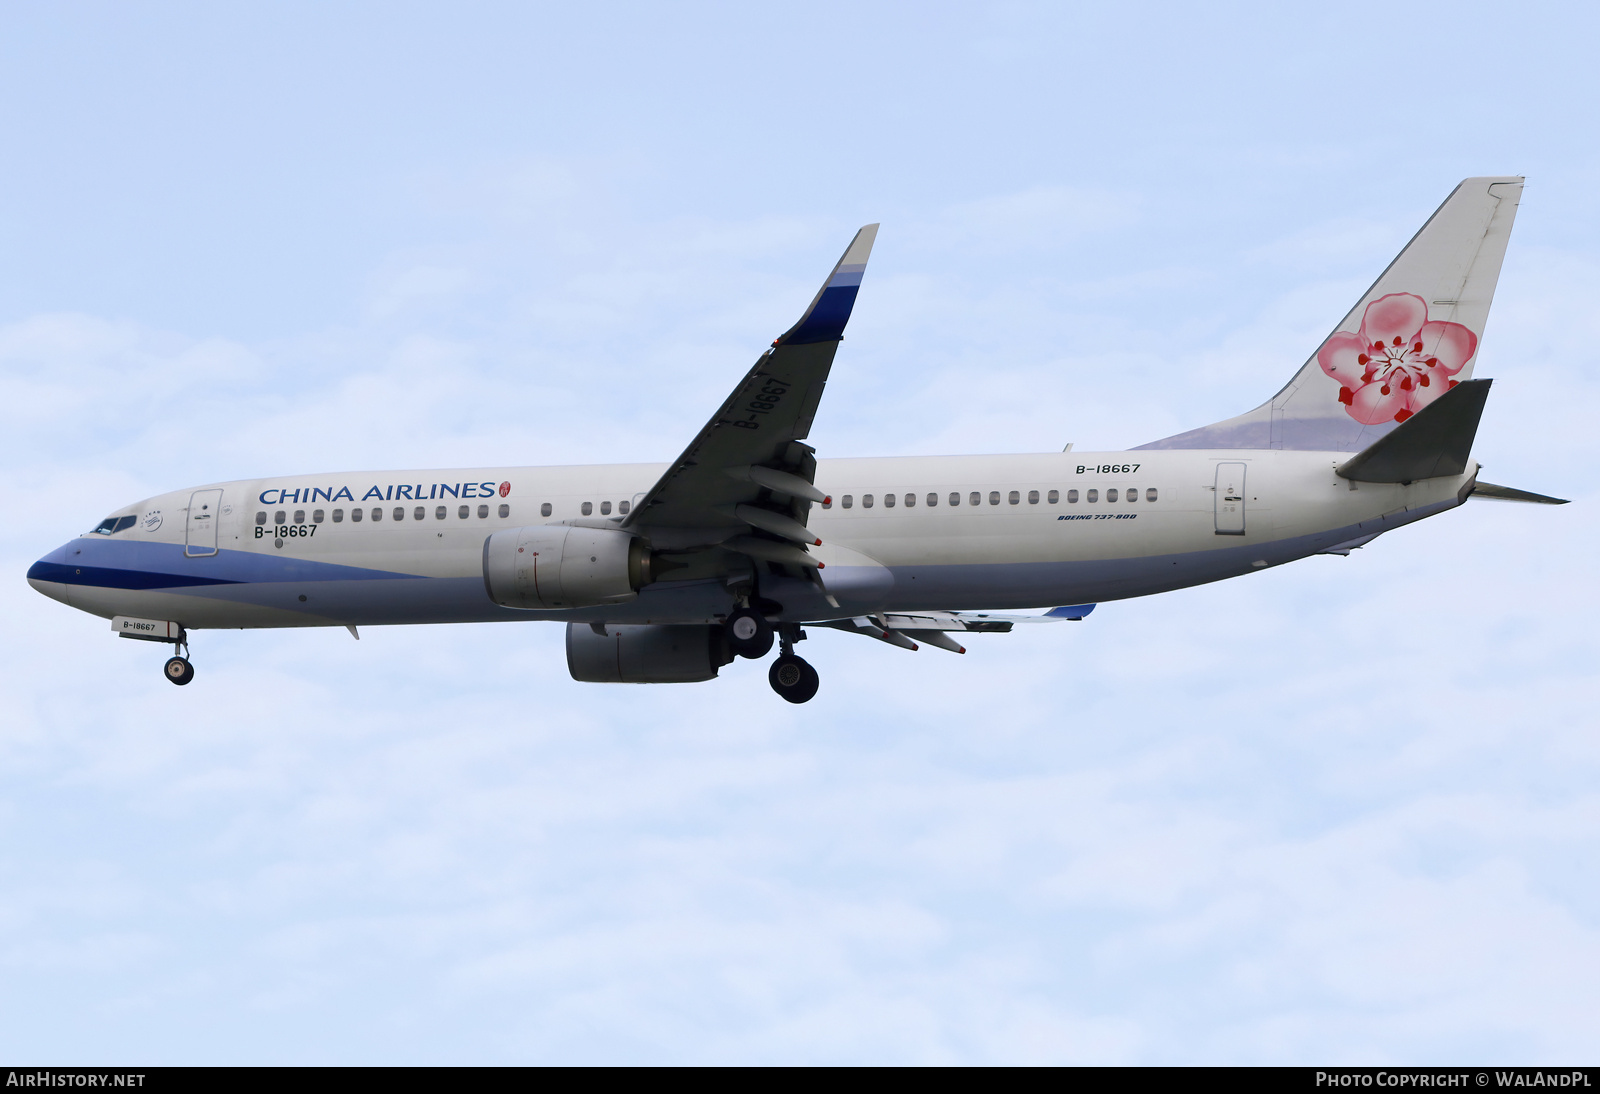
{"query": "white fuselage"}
(1043, 531)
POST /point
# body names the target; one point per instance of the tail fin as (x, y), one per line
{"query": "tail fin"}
(1411, 338)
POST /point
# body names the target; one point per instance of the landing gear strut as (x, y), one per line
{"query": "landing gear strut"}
(792, 677)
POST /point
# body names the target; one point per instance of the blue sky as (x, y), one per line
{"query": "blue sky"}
(1341, 811)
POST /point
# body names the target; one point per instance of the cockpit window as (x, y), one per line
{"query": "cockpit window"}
(112, 525)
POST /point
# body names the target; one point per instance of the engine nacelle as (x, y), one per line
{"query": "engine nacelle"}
(558, 566)
(646, 654)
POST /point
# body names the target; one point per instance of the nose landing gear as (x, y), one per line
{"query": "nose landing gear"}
(177, 669)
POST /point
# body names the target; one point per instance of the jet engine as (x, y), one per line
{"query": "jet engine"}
(559, 566)
(641, 654)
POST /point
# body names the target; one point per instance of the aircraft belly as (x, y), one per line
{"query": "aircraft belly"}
(1003, 586)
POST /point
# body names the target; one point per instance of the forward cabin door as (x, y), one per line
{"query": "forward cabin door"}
(200, 536)
(1230, 499)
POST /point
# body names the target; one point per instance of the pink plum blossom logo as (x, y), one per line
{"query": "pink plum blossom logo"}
(1398, 362)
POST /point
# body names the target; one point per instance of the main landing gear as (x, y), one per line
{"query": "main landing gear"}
(792, 677)
(749, 634)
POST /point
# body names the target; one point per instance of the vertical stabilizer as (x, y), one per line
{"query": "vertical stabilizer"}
(1413, 336)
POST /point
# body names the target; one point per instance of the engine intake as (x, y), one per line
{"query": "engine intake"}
(646, 654)
(559, 566)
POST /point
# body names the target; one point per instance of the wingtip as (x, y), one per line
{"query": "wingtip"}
(825, 319)
(860, 248)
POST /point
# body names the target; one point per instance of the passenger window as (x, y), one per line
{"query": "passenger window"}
(544, 510)
(955, 498)
(441, 512)
(1150, 494)
(911, 501)
(338, 516)
(827, 502)
(464, 512)
(974, 498)
(1033, 497)
(356, 515)
(299, 516)
(866, 501)
(624, 506)
(994, 497)
(587, 508)
(279, 517)
(483, 512)
(419, 513)
(505, 511)
(605, 509)
(399, 512)
(1072, 497)
(1111, 495)
(933, 499)
(1094, 495)
(888, 501)
(847, 501)
(1053, 497)
(1014, 497)
(377, 514)
(1133, 493)
(317, 517)
(261, 518)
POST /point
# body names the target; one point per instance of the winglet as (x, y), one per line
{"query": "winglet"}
(830, 309)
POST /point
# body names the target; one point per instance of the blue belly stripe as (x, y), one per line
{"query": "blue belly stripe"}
(119, 564)
(106, 577)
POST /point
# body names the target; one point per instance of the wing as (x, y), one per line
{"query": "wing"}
(748, 474)
(907, 629)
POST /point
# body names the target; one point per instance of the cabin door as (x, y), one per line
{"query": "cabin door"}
(200, 535)
(1230, 499)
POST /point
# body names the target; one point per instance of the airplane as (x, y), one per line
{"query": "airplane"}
(666, 573)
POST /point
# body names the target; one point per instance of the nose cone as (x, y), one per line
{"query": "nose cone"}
(49, 573)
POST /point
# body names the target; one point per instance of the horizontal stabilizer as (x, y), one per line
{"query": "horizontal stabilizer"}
(1506, 493)
(1436, 440)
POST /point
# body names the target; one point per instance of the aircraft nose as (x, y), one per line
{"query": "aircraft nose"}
(48, 573)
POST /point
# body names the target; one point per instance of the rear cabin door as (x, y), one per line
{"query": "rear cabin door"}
(200, 536)
(1230, 499)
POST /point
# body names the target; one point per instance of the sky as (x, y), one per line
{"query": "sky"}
(1341, 811)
